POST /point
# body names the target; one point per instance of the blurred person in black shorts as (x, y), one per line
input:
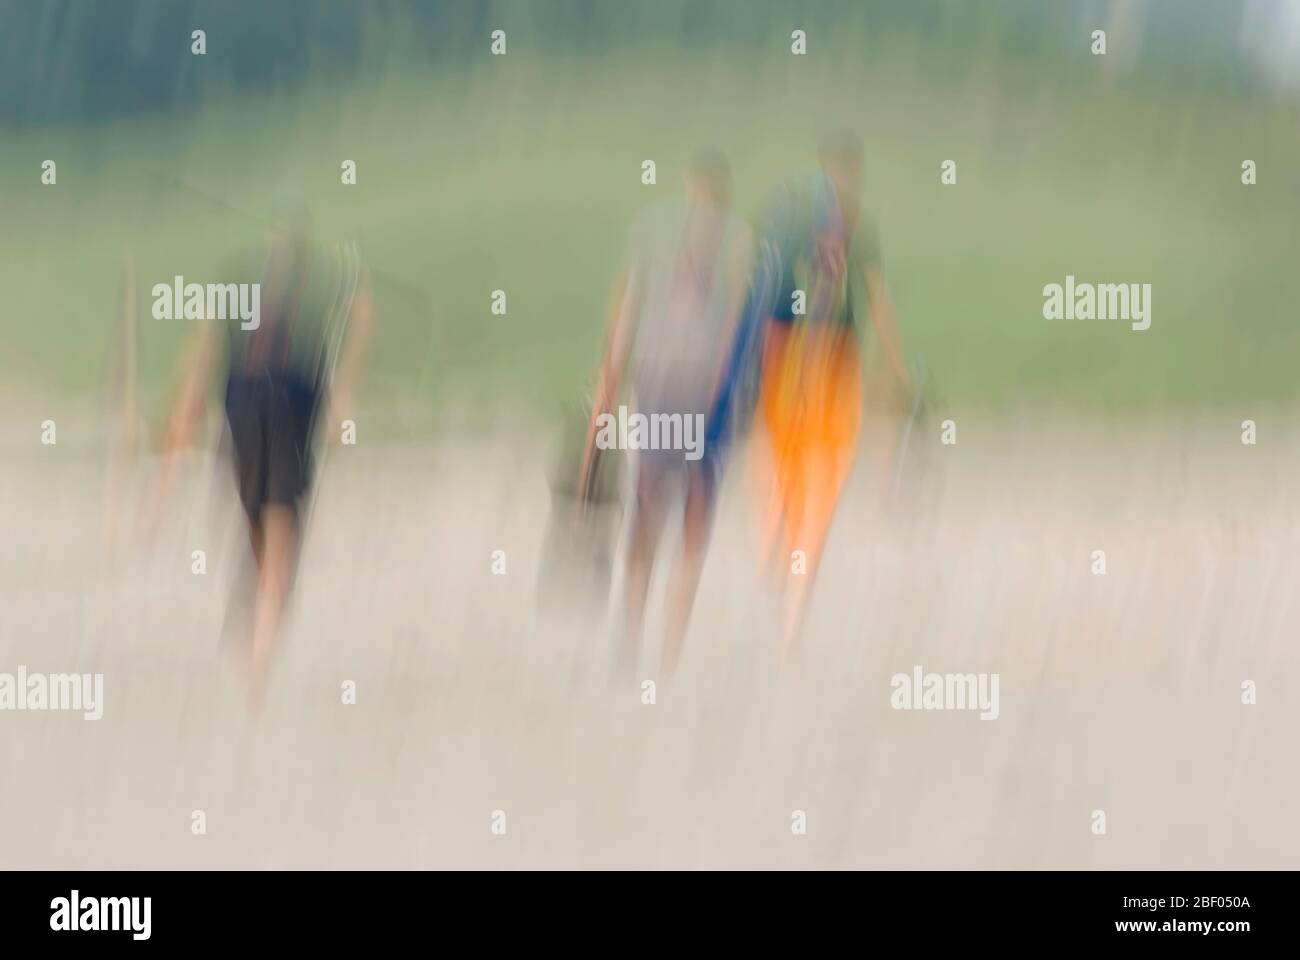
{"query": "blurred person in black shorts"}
(299, 359)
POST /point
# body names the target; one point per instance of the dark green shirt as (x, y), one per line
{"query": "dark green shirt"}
(803, 222)
(304, 304)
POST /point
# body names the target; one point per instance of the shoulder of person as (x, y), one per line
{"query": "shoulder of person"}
(790, 205)
(667, 211)
(866, 239)
(340, 258)
(657, 224)
(738, 229)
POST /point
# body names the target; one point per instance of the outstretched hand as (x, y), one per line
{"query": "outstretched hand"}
(342, 408)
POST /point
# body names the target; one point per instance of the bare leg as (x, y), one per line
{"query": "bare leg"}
(696, 523)
(255, 541)
(827, 468)
(640, 565)
(279, 536)
(798, 590)
(237, 627)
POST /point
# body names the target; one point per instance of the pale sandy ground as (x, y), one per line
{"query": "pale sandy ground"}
(1118, 692)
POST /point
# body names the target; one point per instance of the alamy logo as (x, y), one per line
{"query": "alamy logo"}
(213, 301)
(945, 691)
(54, 691)
(102, 913)
(657, 431)
(1103, 301)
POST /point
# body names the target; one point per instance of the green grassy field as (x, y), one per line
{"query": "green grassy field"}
(523, 175)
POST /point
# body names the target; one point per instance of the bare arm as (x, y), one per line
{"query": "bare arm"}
(194, 375)
(885, 322)
(737, 278)
(194, 379)
(622, 330)
(347, 376)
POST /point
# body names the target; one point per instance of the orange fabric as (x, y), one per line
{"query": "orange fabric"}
(811, 404)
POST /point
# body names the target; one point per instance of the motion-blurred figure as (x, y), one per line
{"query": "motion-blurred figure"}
(673, 317)
(280, 376)
(797, 359)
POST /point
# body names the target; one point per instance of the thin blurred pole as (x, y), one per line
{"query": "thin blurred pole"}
(122, 426)
(130, 364)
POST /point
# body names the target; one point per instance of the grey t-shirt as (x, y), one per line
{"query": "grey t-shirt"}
(685, 277)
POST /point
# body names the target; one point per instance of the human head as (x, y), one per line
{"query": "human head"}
(843, 160)
(708, 177)
(291, 223)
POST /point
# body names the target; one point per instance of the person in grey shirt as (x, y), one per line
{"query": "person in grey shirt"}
(673, 318)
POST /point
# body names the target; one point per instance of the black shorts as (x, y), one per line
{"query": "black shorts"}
(271, 419)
